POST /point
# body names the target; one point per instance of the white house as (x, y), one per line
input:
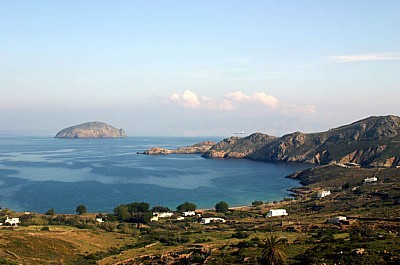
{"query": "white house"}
(163, 214)
(99, 220)
(369, 180)
(209, 220)
(277, 212)
(157, 215)
(323, 193)
(12, 221)
(189, 213)
(180, 218)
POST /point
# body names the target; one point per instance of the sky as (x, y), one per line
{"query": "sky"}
(197, 68)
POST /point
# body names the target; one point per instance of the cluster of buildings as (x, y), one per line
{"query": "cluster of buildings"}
(11, 221)
(209, 220)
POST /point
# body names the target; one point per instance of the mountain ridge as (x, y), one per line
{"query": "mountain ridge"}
(373, 141)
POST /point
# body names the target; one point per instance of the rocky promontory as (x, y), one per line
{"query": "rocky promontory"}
(199, 148)
(373, 142)
(89, 130)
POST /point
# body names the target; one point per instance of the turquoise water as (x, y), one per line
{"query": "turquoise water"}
(39, 173)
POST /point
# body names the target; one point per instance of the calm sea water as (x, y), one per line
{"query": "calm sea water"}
(40, 173)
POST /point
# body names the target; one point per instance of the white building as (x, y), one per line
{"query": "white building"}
(210, 220)
(12, 221)
(99, 220)
(369, 180)
(189, 213)
(163, 214)
(323, 193)
(157, 215)
(277, 212)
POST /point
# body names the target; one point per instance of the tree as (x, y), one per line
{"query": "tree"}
(139, 212)
(222, 207)
(257, 203)
(272, 253)
(81, 209)
(186, 207)
(51, 212)
(121, 212)
(160, 209)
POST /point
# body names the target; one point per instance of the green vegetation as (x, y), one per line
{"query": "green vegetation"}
(257, 203)
(81, 209)
(51, 212)
(272, 253)
(186, 207)
(222, 207)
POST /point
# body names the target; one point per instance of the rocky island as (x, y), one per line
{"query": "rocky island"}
(89, 130)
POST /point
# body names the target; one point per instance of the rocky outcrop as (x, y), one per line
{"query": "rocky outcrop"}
(235, 147)
(374, 141)
(91, 130)
(199, 148)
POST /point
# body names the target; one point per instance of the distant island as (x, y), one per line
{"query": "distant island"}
(91, 130)
(371, 142)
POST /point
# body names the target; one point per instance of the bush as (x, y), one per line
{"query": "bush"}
(240, 234)
(222, 207)
(51, 212)
(257, 203)
(80, 209)
(187, 206)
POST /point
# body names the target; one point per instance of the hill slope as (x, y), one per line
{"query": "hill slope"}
(94, 129)
(374, 141)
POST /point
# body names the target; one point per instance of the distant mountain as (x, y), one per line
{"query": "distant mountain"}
(374, 141)
(94, 129)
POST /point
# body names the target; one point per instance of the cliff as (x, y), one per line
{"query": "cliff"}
(374, 141)
(91, 130)
(199, 148)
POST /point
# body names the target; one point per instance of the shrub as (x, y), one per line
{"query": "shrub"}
(222, 207)
(257, 203)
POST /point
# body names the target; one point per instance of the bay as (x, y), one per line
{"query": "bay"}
(40, 173)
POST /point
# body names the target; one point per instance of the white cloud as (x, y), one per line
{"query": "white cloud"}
(260, 97)
(362, 57)
(238, 101)
(187, 99)
(266, 99)
(238, 96)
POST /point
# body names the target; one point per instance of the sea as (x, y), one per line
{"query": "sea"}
(42, 173)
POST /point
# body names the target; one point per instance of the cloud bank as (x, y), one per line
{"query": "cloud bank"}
(237, 100)
(362, 57)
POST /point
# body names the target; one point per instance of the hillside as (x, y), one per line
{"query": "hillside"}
(374, 141)
(94, 129)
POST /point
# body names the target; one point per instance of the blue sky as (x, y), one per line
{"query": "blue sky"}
(197, 67)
